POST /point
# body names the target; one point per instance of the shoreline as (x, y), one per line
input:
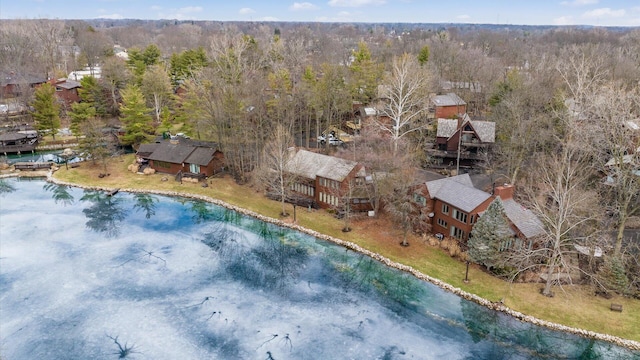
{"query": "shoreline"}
(496, 306)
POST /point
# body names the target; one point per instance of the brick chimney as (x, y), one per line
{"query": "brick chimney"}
(504, 191)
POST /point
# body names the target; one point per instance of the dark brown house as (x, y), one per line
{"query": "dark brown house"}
(463, 138)
(182, 156)
(329, 180)
(66, 91)
(13, 84)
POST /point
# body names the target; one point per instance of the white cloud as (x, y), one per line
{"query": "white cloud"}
(302, 6)
(246, 11)
(604, 12)
(190, 9)
(580, 2)
(270, 18)
(563, 20)
(463, 17)
(111, 16)
(156, 8)
(342, 16)
(185, 13)
(355, 3)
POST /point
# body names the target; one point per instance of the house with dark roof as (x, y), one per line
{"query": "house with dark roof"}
(182, 156)
(66, 91)
(456, 205)
(328, 180)
(14, 84)
(463, 138)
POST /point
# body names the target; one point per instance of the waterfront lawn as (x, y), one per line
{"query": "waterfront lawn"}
(574, 306)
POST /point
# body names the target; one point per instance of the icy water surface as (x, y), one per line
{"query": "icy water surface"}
(87, 276)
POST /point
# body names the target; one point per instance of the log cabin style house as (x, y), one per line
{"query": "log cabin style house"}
(181, 156)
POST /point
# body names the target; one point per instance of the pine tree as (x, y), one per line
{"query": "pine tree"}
(46, 109)
(135, 117)
(488, 234)
(80, 113)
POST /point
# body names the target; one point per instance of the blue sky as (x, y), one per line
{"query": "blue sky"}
(520, 12)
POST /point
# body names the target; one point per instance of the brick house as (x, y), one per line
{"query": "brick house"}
(328, 180)
(456, 206)
(447, 106)
(182, 156)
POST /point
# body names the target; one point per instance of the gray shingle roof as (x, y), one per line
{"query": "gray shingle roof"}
(201, 156)
(523, 219)
(145, 150)
(486, 130)
(171, 153)
(447, 127)
(457, 191)
(69, 84)
(450, 99)
(310, 165)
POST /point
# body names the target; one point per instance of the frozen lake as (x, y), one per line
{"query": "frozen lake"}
(87, 276)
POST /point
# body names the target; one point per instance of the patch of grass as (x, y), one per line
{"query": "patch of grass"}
(576, 306)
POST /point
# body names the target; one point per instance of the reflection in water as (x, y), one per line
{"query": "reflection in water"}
(6, 187)
(60, 193)
(500, 337)
(145, 203)
(231, 287)
(202, 212)
(105, 213)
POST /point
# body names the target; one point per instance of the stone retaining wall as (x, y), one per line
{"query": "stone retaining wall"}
(634, 345)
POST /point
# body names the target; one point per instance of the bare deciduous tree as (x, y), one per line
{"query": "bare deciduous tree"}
(405, 95)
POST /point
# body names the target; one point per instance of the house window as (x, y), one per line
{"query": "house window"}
(162, 164)
(457, 233)
(419, 199)
(460, 216)
(442, 223)
(194, 168)
(473, 219)
(445, 209)
(506, 244)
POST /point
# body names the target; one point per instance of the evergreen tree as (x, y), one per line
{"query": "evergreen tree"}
(92, 93)
(488, 235)
(135, 117)
(423, 55)
(365, 74)
(46, 111)
(93, 144)
(80, 113)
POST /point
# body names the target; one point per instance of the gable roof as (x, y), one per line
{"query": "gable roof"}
(145, 150)
(450, 99)
(523, 219)
(68, 84)
(12, 78)
(447, 127)
(311, 165)
(457, 191)
(175, 153)
(486, 130)
(201, 156)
